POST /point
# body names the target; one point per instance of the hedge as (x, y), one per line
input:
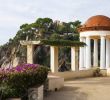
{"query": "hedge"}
(62, 43)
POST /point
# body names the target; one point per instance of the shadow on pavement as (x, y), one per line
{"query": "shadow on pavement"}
(66, 93)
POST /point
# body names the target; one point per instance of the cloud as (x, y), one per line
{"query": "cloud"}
(14, 13)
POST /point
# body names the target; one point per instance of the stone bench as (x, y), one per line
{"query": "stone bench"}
(55, 83)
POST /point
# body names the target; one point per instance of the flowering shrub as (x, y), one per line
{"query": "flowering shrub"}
(14, 82)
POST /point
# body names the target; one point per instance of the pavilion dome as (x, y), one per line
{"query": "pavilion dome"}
(98, 22)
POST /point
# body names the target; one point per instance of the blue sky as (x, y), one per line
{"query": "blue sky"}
(14, 13)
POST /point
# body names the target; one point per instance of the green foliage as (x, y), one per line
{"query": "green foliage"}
(97, 72)
(63, 27)
(62, 43)
(71, 37)
(42, 55)
(55, 36)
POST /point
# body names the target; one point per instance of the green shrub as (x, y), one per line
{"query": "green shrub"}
(97, 72)
(18, 80)
(62, 43)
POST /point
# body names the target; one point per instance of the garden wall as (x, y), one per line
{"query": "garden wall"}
(77, 74)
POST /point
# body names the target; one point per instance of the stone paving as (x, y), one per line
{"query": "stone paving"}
(83, 89)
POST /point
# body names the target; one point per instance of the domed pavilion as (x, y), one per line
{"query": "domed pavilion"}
(96, 30)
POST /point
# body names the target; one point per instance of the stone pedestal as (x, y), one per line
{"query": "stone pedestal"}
(55, 83)
(35, 93)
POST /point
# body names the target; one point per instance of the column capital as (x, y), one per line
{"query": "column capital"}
(103, 36)
(81, 37)
(76, 48)
(87, 36)
(95, 39)
(107, 38)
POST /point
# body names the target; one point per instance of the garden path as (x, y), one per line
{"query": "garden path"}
(83, 89)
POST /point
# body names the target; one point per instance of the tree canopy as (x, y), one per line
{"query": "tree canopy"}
(43, 28)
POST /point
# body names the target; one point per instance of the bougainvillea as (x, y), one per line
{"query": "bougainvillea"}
(4, 72)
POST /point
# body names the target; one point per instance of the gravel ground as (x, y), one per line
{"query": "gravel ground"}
(83, 89)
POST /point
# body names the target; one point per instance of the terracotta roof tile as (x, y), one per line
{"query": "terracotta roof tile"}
(98, 22)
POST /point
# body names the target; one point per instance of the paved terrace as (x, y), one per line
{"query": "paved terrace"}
(83, 89)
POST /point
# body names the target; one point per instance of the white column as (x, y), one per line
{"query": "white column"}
(84, 53)
(102, 53)
(30, 54)
(81, 56)
(88, 53)
(54, 58)
(74, 59)
(95, 59)
(107, 53)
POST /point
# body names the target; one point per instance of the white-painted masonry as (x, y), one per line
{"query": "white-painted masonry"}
(95, 59)
(104, 37)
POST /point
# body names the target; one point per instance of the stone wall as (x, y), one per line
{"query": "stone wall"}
(79, 74)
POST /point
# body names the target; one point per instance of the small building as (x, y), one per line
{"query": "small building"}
(96, 28)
